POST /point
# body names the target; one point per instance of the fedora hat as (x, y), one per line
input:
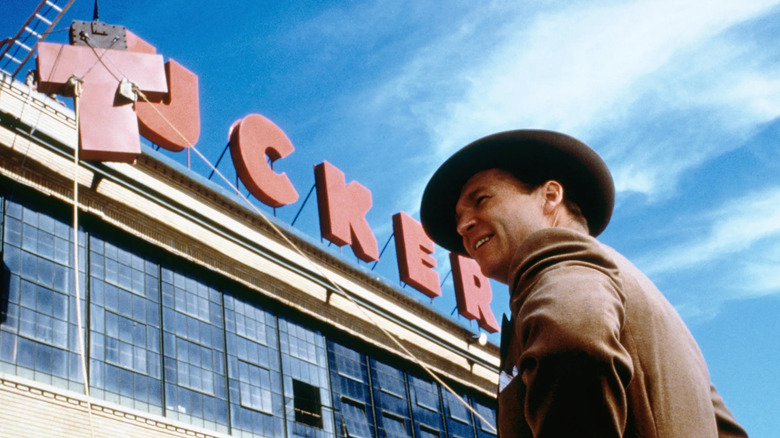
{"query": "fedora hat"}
(533, 157)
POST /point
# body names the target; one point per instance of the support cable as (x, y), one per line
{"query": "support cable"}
(76, 83)
(383, 251)
(219, 160)
(302, 205)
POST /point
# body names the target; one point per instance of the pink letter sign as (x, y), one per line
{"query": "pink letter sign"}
(252, 139)
(414, 252)
(343, 211)
(180, 107)
(472, 292)
(109, 125)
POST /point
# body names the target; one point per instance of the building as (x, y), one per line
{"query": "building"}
(200, 317)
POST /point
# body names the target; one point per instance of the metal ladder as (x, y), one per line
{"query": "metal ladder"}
(19, 49)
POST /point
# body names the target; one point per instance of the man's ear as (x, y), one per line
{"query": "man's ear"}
(552, 193)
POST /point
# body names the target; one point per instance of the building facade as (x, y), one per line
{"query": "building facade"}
(198, 316)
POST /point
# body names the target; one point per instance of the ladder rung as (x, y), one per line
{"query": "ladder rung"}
(54, 6)
(34, 33)
(42, 18)
(12, 58)
(24, 46)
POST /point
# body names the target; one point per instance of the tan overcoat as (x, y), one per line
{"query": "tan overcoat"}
(595, 350)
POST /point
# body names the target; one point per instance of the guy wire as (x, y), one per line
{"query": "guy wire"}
(76, 82)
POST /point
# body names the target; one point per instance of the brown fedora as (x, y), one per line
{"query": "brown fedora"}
(533, 156)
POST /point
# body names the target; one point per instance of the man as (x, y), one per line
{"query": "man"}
(593, 348)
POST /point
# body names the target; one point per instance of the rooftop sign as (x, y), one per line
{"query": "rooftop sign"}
(111, 119)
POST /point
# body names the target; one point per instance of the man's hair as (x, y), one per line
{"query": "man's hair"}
(530, 183)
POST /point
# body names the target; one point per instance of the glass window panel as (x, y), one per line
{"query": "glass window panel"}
(426, 393)
(43, 358)
(26, 353)
(27, 322)
(394, 427)
(29, 267)
(255, 390)
(457, 409)
(11, 317)
(59, 360)
(188, 340)
(429, 433)
(7, 346)
(13, 232)
(45, 244)
(489, 414)
(59, 306)
(125, 329)
(59, 333)
(29, 237)
(28, 294)
(356, 421)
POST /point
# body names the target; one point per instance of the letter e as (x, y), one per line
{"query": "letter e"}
(414, 252)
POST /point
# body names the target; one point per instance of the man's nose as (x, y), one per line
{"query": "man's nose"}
(464, 222)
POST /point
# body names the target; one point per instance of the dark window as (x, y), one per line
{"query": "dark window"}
(392, 400)
(459, 421)
(308, 409)
(395, 427)
(355, 420)
(428, 432)
(351, 391)
(489, 414)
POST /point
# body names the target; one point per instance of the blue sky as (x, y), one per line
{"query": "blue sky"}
(681, 99)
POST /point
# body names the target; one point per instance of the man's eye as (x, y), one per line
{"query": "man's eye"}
(480, 199)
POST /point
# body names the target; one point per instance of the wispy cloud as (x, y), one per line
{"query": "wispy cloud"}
(593, 70)
(568, 69)
(748, 227)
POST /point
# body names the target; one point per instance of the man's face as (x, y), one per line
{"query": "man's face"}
(494, 214)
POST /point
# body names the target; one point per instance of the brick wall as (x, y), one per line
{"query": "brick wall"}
(31, 410)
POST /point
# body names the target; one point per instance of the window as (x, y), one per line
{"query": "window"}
(254, 368)
(489, 414)
(305, 360)
(395, 427)
(351, 391)
(124, 326)
(306, 399)
(390, 380)
(355, 420)
(428, 432)
(194, 350)
(255, 383)
(393, 412)
(457, 410)
(426, 410)
(38, 335)
(459, 422)
(426, 393)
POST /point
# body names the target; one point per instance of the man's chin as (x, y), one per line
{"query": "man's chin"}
(491, 272)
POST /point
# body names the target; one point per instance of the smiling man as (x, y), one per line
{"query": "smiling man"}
(593, 349)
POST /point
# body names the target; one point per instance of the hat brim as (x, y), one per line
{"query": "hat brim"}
(534, 157)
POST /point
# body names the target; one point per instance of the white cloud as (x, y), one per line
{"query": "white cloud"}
(588, 69)
(745, 231)
(762, 276)
(569, 69)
